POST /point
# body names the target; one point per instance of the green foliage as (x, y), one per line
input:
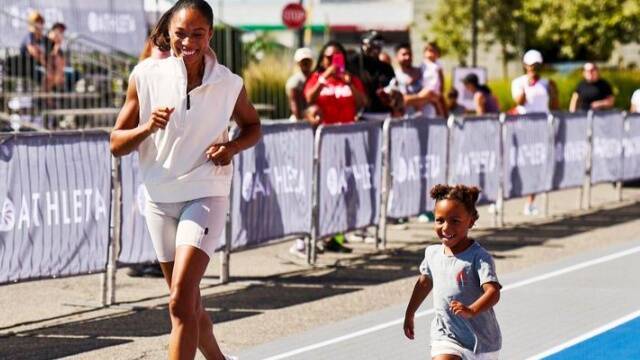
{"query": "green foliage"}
(565, 30)
(583, 29)
(265, 82)
(623, 82)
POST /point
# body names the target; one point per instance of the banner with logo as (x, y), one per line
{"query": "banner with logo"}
(474, 157)
(631, 147)
(136, 246)
(118, 23)
(350, 165)
(55, 195)
(528, 152)
(272, 195)
(418, 160)
(608, 131)
(571, 149)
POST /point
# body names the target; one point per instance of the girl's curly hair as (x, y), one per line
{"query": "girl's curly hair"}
(467, 195)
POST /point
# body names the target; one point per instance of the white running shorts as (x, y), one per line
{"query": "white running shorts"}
(198, 223)
(451, 348)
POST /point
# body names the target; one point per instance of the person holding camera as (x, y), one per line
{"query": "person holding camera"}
(335, 95)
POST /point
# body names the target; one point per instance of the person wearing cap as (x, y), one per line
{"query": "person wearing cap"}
(530, 91)
(533, 94)
(593, 92)
(375, 74)
(483, 99)
(295, 84)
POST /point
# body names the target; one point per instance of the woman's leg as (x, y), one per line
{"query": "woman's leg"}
(184, 304)
(207, 343)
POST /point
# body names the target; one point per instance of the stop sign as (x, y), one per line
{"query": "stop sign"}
(294, 16)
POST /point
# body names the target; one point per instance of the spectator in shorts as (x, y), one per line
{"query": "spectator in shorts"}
(335, 96)
(433, 78)
(295, 84)
(533, 94)
(373, 73)
(483, 100)
(593, 92)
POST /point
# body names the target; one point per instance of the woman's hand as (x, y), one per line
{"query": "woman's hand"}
(330, 71)
(221, 154)
(159, 119)
(461, 310)
(408, 326)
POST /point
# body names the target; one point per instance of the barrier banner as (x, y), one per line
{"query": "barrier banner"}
(527, 155)
(272, 195)
(418, 159)
(571, 149)
(55, 195)
(118, 23)
(631, 147)
(474, 157)
(350, 165)
(136, 246)
(606, 162)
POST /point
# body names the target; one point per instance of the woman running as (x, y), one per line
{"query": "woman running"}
(176, 115)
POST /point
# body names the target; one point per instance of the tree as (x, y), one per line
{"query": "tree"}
(582, 29)
(498, 23)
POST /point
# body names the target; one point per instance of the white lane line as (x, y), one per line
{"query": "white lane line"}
(586, 336)
(516, 285)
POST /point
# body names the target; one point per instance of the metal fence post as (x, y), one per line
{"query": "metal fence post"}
(625, 130)
(450, 122)
(315, 184)
(498, 216)
(550, 122)
(386, 181)
(587, 180)
(225, 254)
(109, 285)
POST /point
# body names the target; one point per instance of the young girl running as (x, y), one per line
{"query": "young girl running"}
(464, 282)
(176, 115)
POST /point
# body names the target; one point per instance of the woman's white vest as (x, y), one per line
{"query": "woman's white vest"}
(172, 161)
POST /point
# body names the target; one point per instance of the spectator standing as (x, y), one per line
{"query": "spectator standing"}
(483, 100)
(32, 50)
(295, 84)
(374, 74)
(533, 94)
(408, 81)
(333, 92)
(593, 92)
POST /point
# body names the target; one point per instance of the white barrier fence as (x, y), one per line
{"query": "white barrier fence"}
(356, 176)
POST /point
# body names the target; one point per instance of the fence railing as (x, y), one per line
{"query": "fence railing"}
(81, 86)
(355, 176)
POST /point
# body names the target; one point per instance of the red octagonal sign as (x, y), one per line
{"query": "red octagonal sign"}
(294, 16)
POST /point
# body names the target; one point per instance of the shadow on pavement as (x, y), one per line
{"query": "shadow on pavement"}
(285, 290)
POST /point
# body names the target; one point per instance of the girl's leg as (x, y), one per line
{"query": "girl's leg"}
(188, 268)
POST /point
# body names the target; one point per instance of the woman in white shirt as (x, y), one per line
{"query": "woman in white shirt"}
(533, 94)
(176, 115)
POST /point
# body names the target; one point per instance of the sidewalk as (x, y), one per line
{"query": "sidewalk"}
(274, 294)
